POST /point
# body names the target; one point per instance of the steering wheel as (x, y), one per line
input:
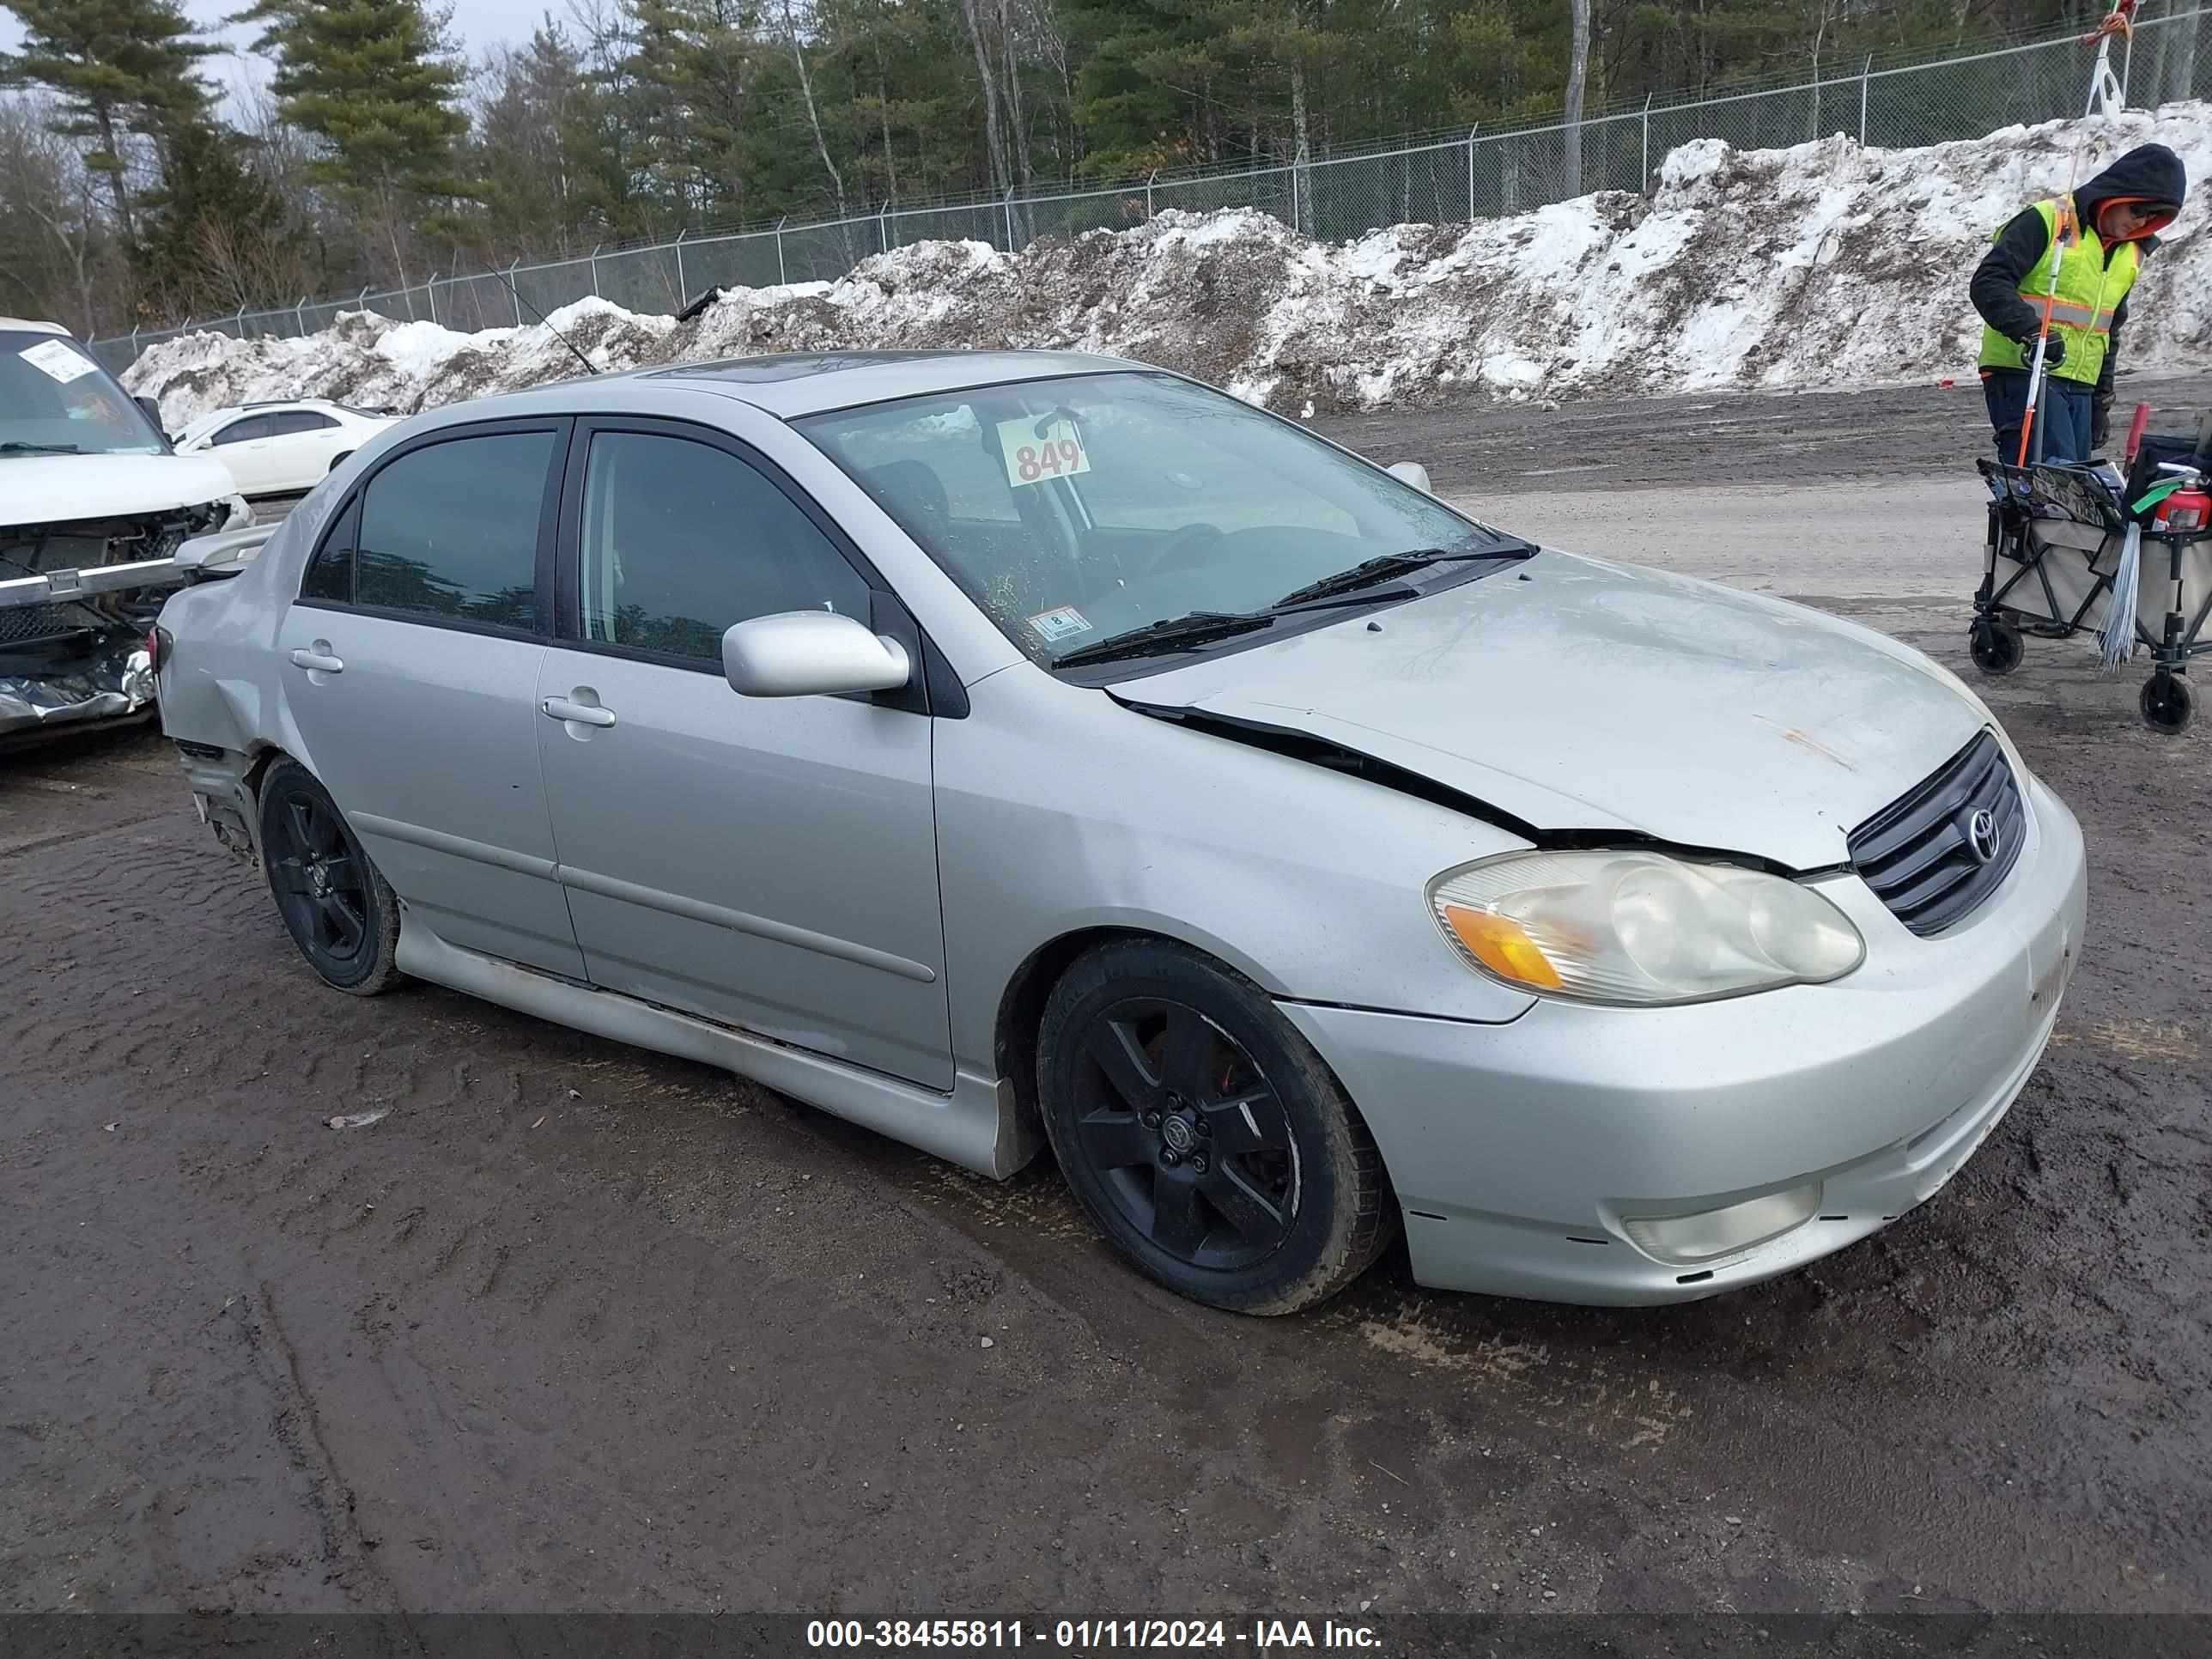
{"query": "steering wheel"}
(1183, 548)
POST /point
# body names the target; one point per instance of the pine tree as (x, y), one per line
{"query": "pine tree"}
(122, 67)
(215, 236)
(373, 79)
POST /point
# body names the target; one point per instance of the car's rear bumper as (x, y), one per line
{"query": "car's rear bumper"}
(1519, 1152)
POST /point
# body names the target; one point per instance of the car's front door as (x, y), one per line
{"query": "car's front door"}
(767, 863)
(243, 447)
(411, 663)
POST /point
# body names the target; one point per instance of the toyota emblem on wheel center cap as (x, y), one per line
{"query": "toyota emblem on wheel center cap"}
(1982, 835)
(1176, 1133)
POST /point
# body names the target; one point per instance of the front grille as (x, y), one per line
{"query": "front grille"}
(1919, 854)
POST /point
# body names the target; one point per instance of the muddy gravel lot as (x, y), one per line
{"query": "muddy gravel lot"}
(575, 1327)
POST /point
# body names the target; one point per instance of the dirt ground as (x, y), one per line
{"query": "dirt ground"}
(575, 1327)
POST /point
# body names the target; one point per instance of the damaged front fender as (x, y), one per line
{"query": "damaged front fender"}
(75, 601)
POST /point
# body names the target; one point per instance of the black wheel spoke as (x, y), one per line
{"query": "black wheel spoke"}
(287, 876)
(1186, 1052)
(1255, 1217)
(1178, 1222)
(1116, 1141)
(343, 874)
(299, 813)
(347, 923)
(1114, 1050)
(1251, 1120)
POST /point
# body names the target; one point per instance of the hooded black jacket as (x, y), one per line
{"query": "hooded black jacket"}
(2150, 170)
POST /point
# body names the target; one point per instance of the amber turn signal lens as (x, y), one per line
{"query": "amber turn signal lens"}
(1497, 943)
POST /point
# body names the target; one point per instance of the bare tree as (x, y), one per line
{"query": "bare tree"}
(813, 113)
(1579, 50)
(994, 139)
(52, 252)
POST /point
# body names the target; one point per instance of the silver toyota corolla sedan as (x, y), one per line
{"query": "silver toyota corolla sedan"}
(1004, 749)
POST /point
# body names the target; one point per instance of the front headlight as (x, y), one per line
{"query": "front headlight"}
(1639, 927)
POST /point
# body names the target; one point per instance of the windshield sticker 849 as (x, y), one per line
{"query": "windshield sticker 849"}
(58, 361)
(1036, 450)
(1053, 626)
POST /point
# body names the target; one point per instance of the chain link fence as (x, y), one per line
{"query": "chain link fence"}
(1449, 180)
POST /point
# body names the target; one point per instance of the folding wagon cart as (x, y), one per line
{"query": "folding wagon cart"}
(2066, 541)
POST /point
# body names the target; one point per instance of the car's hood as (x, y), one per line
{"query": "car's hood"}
(56, 488)
(1576, 695)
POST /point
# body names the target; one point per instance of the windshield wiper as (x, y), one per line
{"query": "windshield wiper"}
(1169, 633)
(13, 448)
(1372, 571)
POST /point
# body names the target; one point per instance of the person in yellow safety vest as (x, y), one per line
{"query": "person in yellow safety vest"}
(2100, 234)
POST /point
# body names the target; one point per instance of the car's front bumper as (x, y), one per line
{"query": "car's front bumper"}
(1518, 1150)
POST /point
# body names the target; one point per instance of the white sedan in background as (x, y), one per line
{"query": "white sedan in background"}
(273, 448)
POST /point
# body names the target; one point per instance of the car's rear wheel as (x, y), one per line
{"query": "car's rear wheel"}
(339, 910)
(1203, 1135)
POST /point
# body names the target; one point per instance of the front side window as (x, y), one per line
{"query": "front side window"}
(1076, 510)
(242, 432)
(450, 531)
(55, 398)
(682, 539)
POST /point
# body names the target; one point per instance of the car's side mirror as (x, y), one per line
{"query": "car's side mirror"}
(811, 653)
(1411, 472)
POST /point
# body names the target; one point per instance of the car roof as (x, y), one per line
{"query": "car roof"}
(789, 385)
(34, 327)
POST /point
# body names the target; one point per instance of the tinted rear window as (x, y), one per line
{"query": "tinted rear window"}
(451, 530)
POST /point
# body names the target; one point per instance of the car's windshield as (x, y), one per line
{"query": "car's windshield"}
(56, 399)
(1074, 510)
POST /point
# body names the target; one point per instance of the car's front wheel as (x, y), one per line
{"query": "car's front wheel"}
(1203, 1135)
(340, 911)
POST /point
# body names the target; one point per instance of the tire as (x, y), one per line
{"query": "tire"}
(2167, 704)
(338, 908)
(1203, 1135)
(1996, 645)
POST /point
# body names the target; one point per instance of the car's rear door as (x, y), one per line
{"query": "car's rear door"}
(768, 863)
(411, 663)
(301, 444)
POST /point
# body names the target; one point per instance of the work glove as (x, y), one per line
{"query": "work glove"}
(2100, 423)
(2054, 351)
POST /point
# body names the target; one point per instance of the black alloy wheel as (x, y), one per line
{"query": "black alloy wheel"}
(338, 909)
(1203, 1136)
(1186, 1131)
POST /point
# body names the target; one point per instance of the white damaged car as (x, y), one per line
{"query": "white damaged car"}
(94, 507)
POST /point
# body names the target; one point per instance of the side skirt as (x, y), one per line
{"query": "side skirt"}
(978, 1126)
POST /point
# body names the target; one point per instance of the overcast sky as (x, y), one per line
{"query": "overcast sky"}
(478, 24)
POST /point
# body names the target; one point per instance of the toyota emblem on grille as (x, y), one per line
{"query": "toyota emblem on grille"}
(1982, 835)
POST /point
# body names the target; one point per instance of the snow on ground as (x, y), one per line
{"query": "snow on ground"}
(1827, 264)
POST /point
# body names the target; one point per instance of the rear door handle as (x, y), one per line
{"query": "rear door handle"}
(320, 662)
(584, 714)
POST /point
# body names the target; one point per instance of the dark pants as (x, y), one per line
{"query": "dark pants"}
(2066, 414)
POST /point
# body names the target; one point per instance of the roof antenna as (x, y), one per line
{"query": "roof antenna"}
(590, 368)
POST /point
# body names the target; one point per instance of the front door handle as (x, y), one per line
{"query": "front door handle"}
(318, 660)
(583, 714)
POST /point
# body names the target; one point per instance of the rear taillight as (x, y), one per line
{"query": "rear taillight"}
(157, 648)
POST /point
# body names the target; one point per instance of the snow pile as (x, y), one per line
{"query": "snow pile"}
(1824, 263)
